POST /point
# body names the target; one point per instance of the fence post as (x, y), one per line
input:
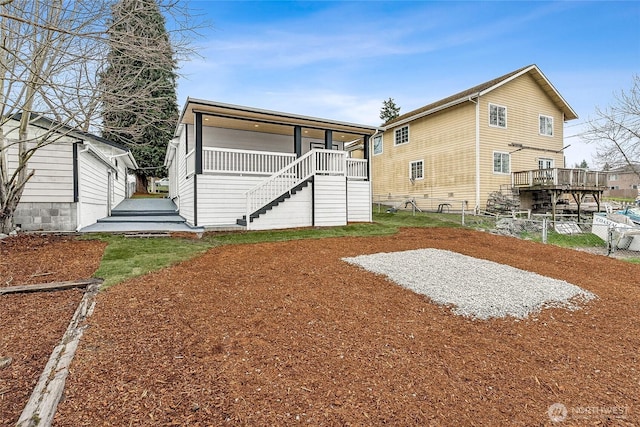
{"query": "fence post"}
(610, 246)
(462, 212)
(544, 230)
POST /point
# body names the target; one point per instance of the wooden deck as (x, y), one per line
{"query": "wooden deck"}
(567, 180)
(544, 188)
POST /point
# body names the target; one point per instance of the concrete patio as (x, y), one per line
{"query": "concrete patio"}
(142, 215)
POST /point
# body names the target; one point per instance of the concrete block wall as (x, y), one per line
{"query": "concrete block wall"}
(33, 216)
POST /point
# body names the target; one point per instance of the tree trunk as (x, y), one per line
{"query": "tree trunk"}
(141, 184)
(6, 220)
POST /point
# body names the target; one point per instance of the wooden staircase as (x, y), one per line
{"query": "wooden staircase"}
(243, 221)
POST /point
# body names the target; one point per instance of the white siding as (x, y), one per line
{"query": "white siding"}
(53, 178)
(119, 178)
(330, 200)
(92, 189)
(293, 212)
(221, 199)
(359, 201)
(184, 198)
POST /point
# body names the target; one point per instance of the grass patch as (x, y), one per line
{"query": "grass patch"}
(420, 219)
(584, 240)
(149, 196)
(125, 258)
(359, 229)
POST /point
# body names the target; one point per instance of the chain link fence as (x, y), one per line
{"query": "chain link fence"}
(592, 233)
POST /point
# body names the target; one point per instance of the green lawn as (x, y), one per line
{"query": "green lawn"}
(127, 257)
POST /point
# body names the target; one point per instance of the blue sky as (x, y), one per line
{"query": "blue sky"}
(340, 60)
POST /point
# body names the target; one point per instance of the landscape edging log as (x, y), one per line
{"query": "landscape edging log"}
(42, 404)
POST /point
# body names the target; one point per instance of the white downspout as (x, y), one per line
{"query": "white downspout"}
(477, 102)
(79, 204)
(370, 171)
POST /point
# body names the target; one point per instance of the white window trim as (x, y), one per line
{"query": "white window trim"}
(552, 161)
(411, 164)
(540, 116)
(395, 142)
(381, 145)
(493, 164)
(506, 121)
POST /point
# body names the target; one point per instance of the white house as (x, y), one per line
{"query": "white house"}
(78, 178)
(262, 169)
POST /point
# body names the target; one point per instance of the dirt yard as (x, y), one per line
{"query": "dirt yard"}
(288, 333)
(31, 325)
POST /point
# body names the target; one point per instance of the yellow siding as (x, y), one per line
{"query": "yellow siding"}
(446, 141)
(525, 102)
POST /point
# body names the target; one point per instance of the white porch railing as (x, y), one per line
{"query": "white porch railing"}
(231, 161)
(357, 169)
(324, 162)
(191, 162)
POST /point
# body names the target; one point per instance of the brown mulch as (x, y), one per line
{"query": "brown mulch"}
(31, 325)
(287, 333)
(39, 258)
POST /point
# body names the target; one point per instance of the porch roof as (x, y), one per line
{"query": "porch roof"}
(259, 120)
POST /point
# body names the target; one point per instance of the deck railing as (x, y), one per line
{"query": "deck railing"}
(357, 169)
(231, 161)
(559, 177)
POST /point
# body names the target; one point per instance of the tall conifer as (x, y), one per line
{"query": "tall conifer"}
(138, 87)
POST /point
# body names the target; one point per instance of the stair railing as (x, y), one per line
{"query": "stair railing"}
(330, 162)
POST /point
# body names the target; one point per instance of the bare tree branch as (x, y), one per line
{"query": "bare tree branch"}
(616, 130)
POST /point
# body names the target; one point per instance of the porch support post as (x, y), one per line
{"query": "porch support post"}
(198, 125)
(328, 139)
(365, 153)
(297, 140)
(365, 142)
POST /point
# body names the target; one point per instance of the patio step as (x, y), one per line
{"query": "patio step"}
(243, 221)
(166, 219)
(123, 212)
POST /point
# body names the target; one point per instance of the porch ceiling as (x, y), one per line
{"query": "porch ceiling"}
(256, 120)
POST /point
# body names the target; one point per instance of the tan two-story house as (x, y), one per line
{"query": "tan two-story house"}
(464, 147)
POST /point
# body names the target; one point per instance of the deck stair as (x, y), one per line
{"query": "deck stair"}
(165, 213)
(243, 221)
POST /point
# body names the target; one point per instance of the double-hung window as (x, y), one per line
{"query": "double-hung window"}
(377, 144)
(416, 170)
(497, 116)
(401, 135)
(501, 162)
(546, 125)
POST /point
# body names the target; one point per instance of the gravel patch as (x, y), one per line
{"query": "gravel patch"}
(474, 287)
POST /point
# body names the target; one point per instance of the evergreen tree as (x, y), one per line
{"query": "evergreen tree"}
(138, 87)
(582, 165)
(389, 111)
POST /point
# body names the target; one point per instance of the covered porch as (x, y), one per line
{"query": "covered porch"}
(230, 164)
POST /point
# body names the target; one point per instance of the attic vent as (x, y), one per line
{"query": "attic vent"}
(450, 195)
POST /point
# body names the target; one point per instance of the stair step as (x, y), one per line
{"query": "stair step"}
(116, 212)
(166, 219)
(243, 221)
